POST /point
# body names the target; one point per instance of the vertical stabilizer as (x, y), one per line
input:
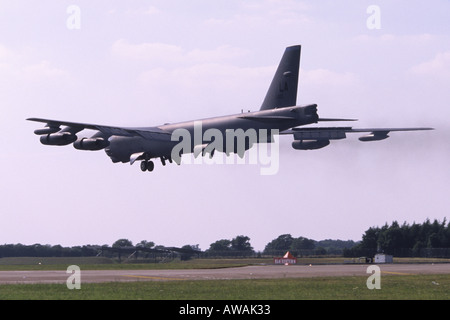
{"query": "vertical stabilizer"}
(283, 89)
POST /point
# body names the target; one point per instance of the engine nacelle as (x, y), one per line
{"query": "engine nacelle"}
(92, 144)
(58, 139)
(47, 130)
(374, 136)
(309, 144)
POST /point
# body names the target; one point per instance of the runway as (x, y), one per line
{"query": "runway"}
(248, 272)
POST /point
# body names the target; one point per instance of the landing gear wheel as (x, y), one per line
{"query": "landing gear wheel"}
(147, 166)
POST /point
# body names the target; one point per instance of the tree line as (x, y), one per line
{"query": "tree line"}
(239, 246)
(406, 240)
(302, 246)
(426, 239)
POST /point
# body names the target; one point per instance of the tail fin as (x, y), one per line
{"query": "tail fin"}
(283, 89)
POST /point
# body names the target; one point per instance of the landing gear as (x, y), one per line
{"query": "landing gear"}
(147, 166)
(164, 159)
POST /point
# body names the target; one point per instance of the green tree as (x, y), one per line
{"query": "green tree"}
(404, 240)
(302, 243)
(241, 244)
(122, 243)
(146, 244)
(280, 244)
(223, 245)
(189, 251)
(392, 238)
(370, 238)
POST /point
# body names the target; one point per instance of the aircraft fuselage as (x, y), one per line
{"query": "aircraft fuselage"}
(121, 148)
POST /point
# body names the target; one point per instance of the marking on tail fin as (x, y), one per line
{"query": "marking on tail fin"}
(283, 88)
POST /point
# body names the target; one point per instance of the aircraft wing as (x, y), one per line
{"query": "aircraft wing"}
(319, 137)
(74, 127)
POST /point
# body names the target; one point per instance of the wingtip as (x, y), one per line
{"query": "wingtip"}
(32, 119)
(35, 119)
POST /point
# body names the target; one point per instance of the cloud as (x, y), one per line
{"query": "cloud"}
(403, 39)
(5, 53)
(325, 77)
(220, 54)
(438, 67)
(148, 11)
(39, 71)
(265, 14)
(156, 52)
(214, 73)
(162, 53)
(132, 12)
(220, 87)
(20, 66)
(225, 76)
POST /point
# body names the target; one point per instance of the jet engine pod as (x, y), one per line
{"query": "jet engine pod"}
(47, 130)
(58, 139)
(375, 136)
(309, 144)
(91, 144)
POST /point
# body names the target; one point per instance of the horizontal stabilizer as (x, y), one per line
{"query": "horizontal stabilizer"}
(335, 119)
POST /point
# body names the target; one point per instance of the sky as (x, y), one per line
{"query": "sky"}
(146, 63)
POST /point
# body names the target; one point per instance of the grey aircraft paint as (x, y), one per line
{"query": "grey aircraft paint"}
(278, 114)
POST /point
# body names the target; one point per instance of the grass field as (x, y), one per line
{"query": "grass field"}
(423, 287)
(94, 263)
(393, 287)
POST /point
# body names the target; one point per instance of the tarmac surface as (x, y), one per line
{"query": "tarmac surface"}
(248, 272)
